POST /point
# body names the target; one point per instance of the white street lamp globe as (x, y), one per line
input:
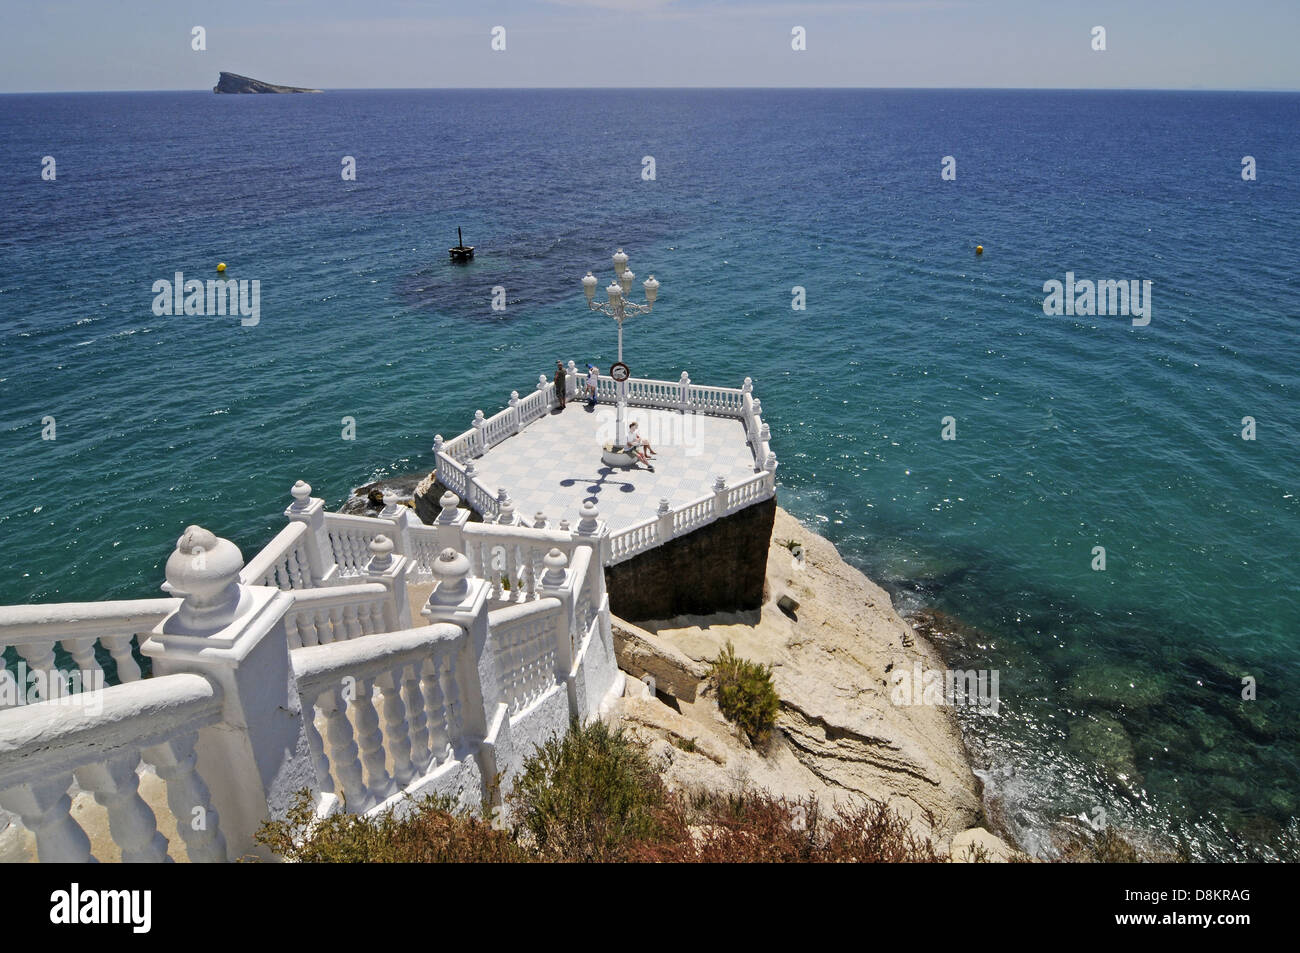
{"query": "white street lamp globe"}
(589, 286)
(614, 291)
(651, 289)
(620, 262)
(625, 280)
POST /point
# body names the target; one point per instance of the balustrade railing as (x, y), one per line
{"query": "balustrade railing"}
(98, 742)
(72, 646)
(384, 710)
(282, 563)
(336, 614)
(525, 640)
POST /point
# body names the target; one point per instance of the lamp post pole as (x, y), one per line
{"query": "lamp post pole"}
(620, 308)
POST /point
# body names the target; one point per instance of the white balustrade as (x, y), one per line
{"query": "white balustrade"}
(99, 740)
(71, 646)
(282, 563)
(336, 614)
(525, 642)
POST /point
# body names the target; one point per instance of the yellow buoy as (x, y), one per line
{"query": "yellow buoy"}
(221, 266)
(979, 249)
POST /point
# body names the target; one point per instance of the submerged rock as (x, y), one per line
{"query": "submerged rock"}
(1102, 739)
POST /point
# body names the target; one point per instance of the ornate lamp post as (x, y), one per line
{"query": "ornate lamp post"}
(619, 308)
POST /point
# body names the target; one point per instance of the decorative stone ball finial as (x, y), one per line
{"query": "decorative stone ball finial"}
(514, 398)
(203, 573)
(554, 576)
(765, 434)
(470, 470)
(381, 552)
(437, 443)
(748, 386)
(452, 570)
(685, 378)
(301, 494)
(770, 466)
(390, 503)
(664, 507)
(542, 382)
(719, 483)
(539, 521)
(758, 407)
(588, 519)
(449, 501)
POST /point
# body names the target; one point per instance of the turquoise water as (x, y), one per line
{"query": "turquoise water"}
(1119, 689)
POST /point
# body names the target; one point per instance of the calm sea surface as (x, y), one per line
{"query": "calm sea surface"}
(1119, 689)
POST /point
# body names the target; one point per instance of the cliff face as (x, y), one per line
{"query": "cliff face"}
(234, 83)
(840, 734)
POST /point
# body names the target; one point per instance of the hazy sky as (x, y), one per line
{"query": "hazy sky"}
(51, 45)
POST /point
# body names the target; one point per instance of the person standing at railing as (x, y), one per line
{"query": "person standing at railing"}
(559, 384)
(593, 382)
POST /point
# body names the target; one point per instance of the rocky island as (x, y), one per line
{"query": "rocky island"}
(234, 83)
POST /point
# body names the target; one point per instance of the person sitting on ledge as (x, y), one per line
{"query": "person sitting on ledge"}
(638, 445)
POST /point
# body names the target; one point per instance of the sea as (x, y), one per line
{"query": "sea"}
(1102, 509)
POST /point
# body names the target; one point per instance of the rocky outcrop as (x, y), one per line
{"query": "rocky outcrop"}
(717, 568)
(979, 846)
(234, 83)
(840, 735)
(642, 654)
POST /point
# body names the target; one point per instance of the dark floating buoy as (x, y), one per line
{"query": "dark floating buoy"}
(461, 252)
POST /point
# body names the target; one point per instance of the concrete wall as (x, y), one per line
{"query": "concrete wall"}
(717, 568)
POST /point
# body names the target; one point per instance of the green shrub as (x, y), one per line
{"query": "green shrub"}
(434, 830)
(745, 692)
(587, 796)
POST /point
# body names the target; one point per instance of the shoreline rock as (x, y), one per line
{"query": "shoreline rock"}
(840, 737)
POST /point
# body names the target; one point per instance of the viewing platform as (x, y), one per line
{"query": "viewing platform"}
(536, 464)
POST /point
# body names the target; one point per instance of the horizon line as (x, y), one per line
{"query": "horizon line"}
(754, 88)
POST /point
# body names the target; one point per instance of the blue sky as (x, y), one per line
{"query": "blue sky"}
(57, 45)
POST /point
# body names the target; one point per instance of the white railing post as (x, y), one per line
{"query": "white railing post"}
(310, 511)
(719, 497)
(384, 567)
(516, 423)
(461, 600)
(684, 402)
(665, 514)
(505, 508)
(257, 756)
(592, 531)
(770, 467)
(571, 380)
(542, 384)
(401, 517)
(557, 582)
(480, 438)
(450, 523)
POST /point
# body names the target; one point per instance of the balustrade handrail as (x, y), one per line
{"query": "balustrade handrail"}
(56, 736)
(327, 597)
(317, 666)
(265, 561)
(53, 621)
(499, 619)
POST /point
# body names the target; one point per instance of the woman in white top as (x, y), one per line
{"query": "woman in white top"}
(637, 444)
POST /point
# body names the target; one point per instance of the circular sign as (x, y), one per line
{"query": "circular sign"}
(620, 371)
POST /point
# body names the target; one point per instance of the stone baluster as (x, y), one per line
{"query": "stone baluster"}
(437, 447)
(480, 442)
(187, 796)
(39, 657)
(132, 824)
(436, 712)
(45, 808)
(343, 753)
(370, 741)
(310, 511)
(417, 720)
(256, 757)
(383, 566)
(397, 731)
(684, 402)
(719, 497)
(770, 467)
(119, 646)
(451, 523)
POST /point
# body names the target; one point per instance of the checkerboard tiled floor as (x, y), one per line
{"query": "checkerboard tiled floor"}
(554, 465)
